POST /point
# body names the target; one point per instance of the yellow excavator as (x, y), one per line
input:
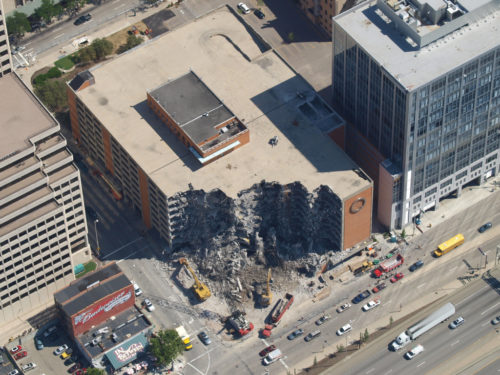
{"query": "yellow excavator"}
(201, 290)
(266, 296)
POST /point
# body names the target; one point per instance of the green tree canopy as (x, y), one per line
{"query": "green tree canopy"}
(102, 48)
(53, 94)
(95, 371)
(166, 346)
(46, 11)
(18, 24)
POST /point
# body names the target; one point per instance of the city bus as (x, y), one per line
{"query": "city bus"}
(449, 245)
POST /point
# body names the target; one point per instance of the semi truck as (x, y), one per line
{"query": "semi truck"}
(281, 307)
(423, 326)
(181, 331)
(388, 265)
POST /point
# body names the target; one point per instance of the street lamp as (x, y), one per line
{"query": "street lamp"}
(96, 237)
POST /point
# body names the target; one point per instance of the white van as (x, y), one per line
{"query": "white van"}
(272, 357)
(244, 8)
(415, 351)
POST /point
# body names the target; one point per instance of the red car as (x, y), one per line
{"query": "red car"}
(397, 277)
(16, 349)
(21, 355)
(378, 287)
(267, 350)
(81, 372)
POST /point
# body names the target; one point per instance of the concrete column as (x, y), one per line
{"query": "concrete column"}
(436, 205)
(459, 191)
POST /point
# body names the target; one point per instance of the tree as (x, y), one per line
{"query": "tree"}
(18, 24)
(86, 54)
(366, 335)
(46, 11)
(95, 371)
(52, 94)
(291, 37)
(132, 41)
(166, 346)
(391, 320)
(403, 234)
(102, 48)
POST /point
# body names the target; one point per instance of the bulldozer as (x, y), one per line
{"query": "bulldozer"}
(200, 290)
(267, 296)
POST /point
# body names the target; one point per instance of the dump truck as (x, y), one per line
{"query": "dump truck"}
(240, 323)
(361, 266)
(200, 290)
(181, 331)
(267, 296)
(388, 265)
(423, 326)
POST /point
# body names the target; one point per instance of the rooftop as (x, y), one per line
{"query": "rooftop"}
(403, 42)
(259, 88)
(21, 116)
(89, 289)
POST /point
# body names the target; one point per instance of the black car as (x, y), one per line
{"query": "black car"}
(69, 361)
(361, 296)
(295, 334)
(415, 266)
(204, 338)
(484, 227)
(259, 14)
(82, 19)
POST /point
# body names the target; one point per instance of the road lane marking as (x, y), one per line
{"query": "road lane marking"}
(388, 372)
(57, 36)
(489, 308)
(195, 369)
(370, 370)
(284, 364)
(135, 252)
(487, 322)
(421, 285)
(455, 343)
(121, 247)
(120, 6)
(420, 364)
(265, 342)
(472, 295)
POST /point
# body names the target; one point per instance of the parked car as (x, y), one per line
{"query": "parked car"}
(267, 350)
(259, 14)
(495, 320)
(14, 372)
(484, 227)
(70, 361)
(28, 366)
(81, 371)
(379, 287)
(61, 349)
(343, 307)
(149, 305)
(361, 296)
(295, 334)
(415, 266)
(397, 277)
(21, 355)
(244, 8)
(344, 329)
(371, 305)
(38, 343)
(65, 355)
(312, 335)
(75, 367)
(16, 349)
(204, 338)
(50, 331)
(323, 319)
(82, 19)
(457, 322)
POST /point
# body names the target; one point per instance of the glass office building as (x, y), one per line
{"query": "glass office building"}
(418, 83)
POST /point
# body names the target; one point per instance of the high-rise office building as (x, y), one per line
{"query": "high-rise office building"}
(5, 58)
(418, 82)
(43, 232)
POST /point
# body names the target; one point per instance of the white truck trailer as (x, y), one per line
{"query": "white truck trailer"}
(423, 326)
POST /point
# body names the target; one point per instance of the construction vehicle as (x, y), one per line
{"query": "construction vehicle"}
(240, 324)
(200, 290)
(181, 331)
(266, 297)
(388, 265)
(280, 308)
(361, 266)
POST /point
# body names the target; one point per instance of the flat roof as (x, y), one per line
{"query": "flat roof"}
(411, 66)
(259, 88)
(21, 116)
(81, 293)
(192, 106)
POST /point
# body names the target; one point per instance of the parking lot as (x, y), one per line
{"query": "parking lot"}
(45, 360)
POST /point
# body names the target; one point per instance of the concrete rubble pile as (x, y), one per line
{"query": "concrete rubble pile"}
(267, 225)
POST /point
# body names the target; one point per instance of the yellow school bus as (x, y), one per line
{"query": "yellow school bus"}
(449, 245)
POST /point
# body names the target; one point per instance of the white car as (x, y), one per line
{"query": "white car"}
(244, 8)
(415, 351)
(344, 329)
(149, 305)
(60, 350)
(343, 307)
(370, 305)
(28, 366)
